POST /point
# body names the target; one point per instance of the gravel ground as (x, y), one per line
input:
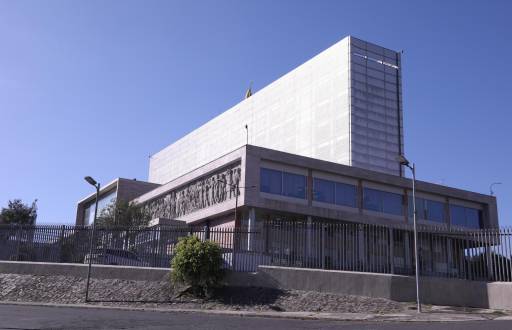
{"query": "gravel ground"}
(64, 289)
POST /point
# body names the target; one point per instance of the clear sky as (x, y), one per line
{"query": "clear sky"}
(94, 87)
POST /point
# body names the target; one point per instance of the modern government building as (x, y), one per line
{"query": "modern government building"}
(318, 144)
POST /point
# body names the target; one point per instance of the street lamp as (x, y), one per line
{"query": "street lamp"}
(237, 187)
(96, 185)
(403, 161)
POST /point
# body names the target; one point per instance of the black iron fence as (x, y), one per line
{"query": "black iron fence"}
(483, 255)
(467, 254)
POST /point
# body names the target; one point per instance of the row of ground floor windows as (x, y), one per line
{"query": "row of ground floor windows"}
(326, 191)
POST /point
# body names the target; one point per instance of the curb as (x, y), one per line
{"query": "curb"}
(403, 317)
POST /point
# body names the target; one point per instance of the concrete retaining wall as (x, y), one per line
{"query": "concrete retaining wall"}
(115, 272)
(80, 270)
(437, 291)
(433, 290)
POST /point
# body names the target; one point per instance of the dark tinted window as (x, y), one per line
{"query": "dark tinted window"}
(457, 215)
(420, 208)
(427, 209)
(435, 211)
(294, 185)
(382, 201)
(372, 200)
(465, 216)
(472, 218)
(282, 183)
(392, 203)
(346, 194)
(324, 191)
(271, 181)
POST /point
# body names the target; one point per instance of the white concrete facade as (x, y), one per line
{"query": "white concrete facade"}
(343, 106)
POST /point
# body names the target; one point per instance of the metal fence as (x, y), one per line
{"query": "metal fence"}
(483, 255)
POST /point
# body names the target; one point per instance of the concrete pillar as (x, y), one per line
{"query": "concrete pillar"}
(309, 194)
(447, 212)
(361, 248)
(360, 196)
(449, 255)
(309, 236)
(251, 228)
(391, 251)
(489, 262)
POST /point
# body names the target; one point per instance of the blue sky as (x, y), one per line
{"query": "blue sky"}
(94, 87)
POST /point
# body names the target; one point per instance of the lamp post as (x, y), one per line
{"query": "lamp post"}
(403, 161)
(235, 243)
(92, 182)
(237, 187)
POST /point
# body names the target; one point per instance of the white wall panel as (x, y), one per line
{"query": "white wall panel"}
(305, 112)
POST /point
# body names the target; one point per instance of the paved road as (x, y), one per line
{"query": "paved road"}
(35, 317)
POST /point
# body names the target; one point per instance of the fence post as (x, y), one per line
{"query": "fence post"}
(18, 242)
(322, 253)
(61, 242)
(155, 244)
(207, 231)
(235, 241)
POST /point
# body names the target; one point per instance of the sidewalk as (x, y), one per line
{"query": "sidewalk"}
(439, 314)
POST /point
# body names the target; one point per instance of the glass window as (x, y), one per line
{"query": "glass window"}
(420, 208)
(87, 215)
(103, 202)
(472, 218)
(271, 181)
(392, 203)
(410, 207)
(427, 209)
(323, 191)
(346, 194)
(372, 200)
(435, 211)
(294, 185)
(465, 216)
(457, 215)
(382, 201)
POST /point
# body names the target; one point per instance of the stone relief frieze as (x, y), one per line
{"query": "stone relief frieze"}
(199, 194)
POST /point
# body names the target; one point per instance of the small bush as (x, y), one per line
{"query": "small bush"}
(198, 265)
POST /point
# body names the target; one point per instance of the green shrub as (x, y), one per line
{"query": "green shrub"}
(198, 265)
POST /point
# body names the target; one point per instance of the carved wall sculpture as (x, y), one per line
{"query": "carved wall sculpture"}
(199, 194)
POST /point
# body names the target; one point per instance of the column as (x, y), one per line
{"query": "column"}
(251, 228)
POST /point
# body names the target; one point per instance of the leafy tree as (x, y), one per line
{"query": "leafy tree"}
(123, 214)
(118, 224)
(197, 264)
(18, 213)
